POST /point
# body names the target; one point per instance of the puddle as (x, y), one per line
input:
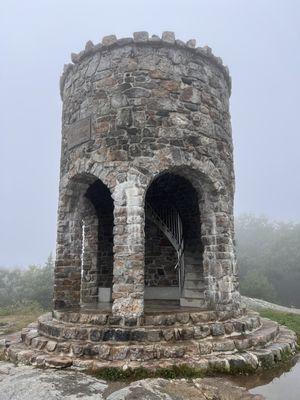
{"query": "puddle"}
(281, 383)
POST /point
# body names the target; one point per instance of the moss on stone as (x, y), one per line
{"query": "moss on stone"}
(130, 374)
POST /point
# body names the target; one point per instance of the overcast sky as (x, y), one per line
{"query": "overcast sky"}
(259, 41)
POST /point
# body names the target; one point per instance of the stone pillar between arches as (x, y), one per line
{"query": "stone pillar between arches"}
(128, 280)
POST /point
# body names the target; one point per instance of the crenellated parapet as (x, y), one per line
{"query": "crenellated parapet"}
(143, 38)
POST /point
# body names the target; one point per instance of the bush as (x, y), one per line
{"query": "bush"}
(33, 286)
(268, 255)
(256, 284)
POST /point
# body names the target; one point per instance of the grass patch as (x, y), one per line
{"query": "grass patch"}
(291, 321)
(129, 375)
(14, 318)
(174, 372)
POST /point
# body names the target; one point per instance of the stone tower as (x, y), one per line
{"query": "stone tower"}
(146, 141)
(145, 271)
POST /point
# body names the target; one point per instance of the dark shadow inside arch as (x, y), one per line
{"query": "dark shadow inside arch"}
(97, 255)
(173, 271)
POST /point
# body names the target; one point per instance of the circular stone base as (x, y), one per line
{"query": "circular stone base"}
(189, 338)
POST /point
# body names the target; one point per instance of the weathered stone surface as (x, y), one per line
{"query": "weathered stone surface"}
(27, 383)
(153, 336)
(51, 345)
(224, 345)
(201, 389)
(210, 353)
(217, 329)
(191, 43)
(89, 45)
(168, 37)
(133, 110)
(201, 331)
(109, 40)
(142, 36)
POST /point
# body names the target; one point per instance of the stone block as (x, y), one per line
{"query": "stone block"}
(217, 329)
(89, 46)
(77, 350)
(183, 318)
(153, 336)
(136, 353)
(205, 347)
(119, 352)
(63, 347)
(96, 335)
(137, 92)
(58, 362)
(168, 37)
(31, 335)
(103, 351)
(116, 335)
(201, 331)
(109, 40)
(138, 335)
(168, 334)
(51, 345)
(142, 36)
(265, 357)
(191, 43)
(224, 345)
(124, 118)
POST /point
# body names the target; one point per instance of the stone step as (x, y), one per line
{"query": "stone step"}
(217, 355)
(153, 318)
(271, 339)
(284, 344)
(193, 268)
(194, 259)
(266, 333)
(191, 302)
(186, 330)
(194, 276)
(193, 293)
(194, 284)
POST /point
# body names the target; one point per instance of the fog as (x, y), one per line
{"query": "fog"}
(258, 40)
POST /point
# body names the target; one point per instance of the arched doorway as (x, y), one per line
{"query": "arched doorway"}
(97, 244)
(173, 246)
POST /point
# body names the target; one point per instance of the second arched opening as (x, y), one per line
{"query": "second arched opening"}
(173, 246)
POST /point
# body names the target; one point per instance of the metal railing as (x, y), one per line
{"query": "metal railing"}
(169, 222)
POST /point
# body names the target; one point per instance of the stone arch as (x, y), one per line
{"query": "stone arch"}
(88, 171)
(172, 204)
(84, 258)
(199, 170)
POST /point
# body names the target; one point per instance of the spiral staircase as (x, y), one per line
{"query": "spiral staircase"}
(191, 284)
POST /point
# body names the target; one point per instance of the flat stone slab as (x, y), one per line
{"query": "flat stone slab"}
(28, 383)
(181, 389)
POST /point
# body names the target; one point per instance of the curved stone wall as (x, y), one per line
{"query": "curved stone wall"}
(133, 109)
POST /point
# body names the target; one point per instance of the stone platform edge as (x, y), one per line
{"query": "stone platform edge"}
(266, 354)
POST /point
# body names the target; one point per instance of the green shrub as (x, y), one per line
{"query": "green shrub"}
(22, 289)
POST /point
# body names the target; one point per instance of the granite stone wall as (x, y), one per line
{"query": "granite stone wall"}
(135, 108)
(160, 258)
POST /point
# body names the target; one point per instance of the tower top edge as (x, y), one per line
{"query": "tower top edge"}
(143, 38)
